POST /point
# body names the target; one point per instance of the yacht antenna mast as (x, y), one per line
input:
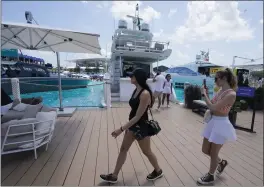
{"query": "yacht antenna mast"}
(136, 19)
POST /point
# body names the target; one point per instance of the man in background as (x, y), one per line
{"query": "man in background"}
(159, 80)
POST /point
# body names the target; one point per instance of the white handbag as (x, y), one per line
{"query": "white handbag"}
(207, 116)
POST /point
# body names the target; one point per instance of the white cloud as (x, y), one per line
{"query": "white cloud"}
(187, 46)
(157, 35)
(179, 58)
(182, 56)
(106, 50)
(84, 1)
(261, 21)
(120, 9)
(212, 21)
(172, 12)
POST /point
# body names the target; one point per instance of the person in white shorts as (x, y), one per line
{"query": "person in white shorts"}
(159, 80)
(218, 129)
(167, 90)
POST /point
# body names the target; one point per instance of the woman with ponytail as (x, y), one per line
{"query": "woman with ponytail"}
(135, 128)
(218, 129)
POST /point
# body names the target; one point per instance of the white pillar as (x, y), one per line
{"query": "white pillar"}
(233, 63)
(121, 67)
(15, 88)
(107, 90)
(59, 80)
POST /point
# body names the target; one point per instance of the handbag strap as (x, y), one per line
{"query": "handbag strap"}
(151, 113)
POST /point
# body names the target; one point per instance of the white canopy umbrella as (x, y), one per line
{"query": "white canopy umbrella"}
(39, 38)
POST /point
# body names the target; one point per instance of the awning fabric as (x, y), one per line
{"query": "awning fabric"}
(35, 37)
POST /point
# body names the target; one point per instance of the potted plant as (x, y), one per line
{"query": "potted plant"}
(233, 112)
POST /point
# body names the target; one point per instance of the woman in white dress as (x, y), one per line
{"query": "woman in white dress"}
(167, 90)
(218, 129)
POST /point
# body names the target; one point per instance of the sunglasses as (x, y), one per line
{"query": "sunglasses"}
(216, 78)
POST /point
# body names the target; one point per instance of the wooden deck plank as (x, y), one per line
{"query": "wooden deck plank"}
(102, 152)
(75, 172)
(235, 161)
(62, 169)
(113, 150)
(43, 177)
(17, 159)
(238, 167)
(33, 172)
(15, 177)
(89, 168)
(193, 147)
(172, 138)
(138, 163)
(42, 164)
(82, 148)
(178, 169)
(227, 146)
(129, 174)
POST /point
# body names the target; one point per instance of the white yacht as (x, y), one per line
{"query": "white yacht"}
(131, 49)
(194, 72)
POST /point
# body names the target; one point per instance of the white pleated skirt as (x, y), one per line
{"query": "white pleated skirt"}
(219, 130)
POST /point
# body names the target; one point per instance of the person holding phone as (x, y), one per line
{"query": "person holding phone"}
(218, 129)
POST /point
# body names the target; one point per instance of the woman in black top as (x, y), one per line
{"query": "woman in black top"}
(136, 129)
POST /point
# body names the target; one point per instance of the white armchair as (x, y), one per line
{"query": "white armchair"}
(33, 136)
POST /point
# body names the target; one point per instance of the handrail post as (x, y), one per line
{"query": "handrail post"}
(107, 90)
(16, 88)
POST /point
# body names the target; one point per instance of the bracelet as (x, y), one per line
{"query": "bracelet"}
(121, 128)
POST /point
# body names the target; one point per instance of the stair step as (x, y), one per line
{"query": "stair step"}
(115, 99)
(115, 94)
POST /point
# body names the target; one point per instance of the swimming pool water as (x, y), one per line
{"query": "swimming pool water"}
(90, 96)
(180, 94)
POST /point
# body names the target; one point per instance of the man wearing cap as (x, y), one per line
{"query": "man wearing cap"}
(159, 80)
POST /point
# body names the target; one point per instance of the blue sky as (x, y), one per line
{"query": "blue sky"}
(225, 28)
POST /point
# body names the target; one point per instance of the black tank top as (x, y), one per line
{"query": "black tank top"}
(134, 103)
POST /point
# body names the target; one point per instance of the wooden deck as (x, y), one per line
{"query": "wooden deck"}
(82, 148)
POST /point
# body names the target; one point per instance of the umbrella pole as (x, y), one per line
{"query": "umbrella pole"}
(59, 79)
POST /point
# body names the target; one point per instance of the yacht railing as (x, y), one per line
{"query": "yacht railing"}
(130, 44)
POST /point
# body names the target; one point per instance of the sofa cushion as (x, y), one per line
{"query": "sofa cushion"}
(36, 100)
(48, 109)
(30, 145)
(45, 116)
(12, 114)
(15, 103)
(19, 139)
(18, 129)
(31, 111)
(20, 107)
(5, 108)
(32, 101)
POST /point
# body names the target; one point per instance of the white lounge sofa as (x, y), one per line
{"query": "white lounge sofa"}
(30, 132)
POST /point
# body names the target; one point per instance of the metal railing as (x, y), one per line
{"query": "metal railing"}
(139, 45)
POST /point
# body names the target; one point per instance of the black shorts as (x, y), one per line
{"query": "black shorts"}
(140, 131)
